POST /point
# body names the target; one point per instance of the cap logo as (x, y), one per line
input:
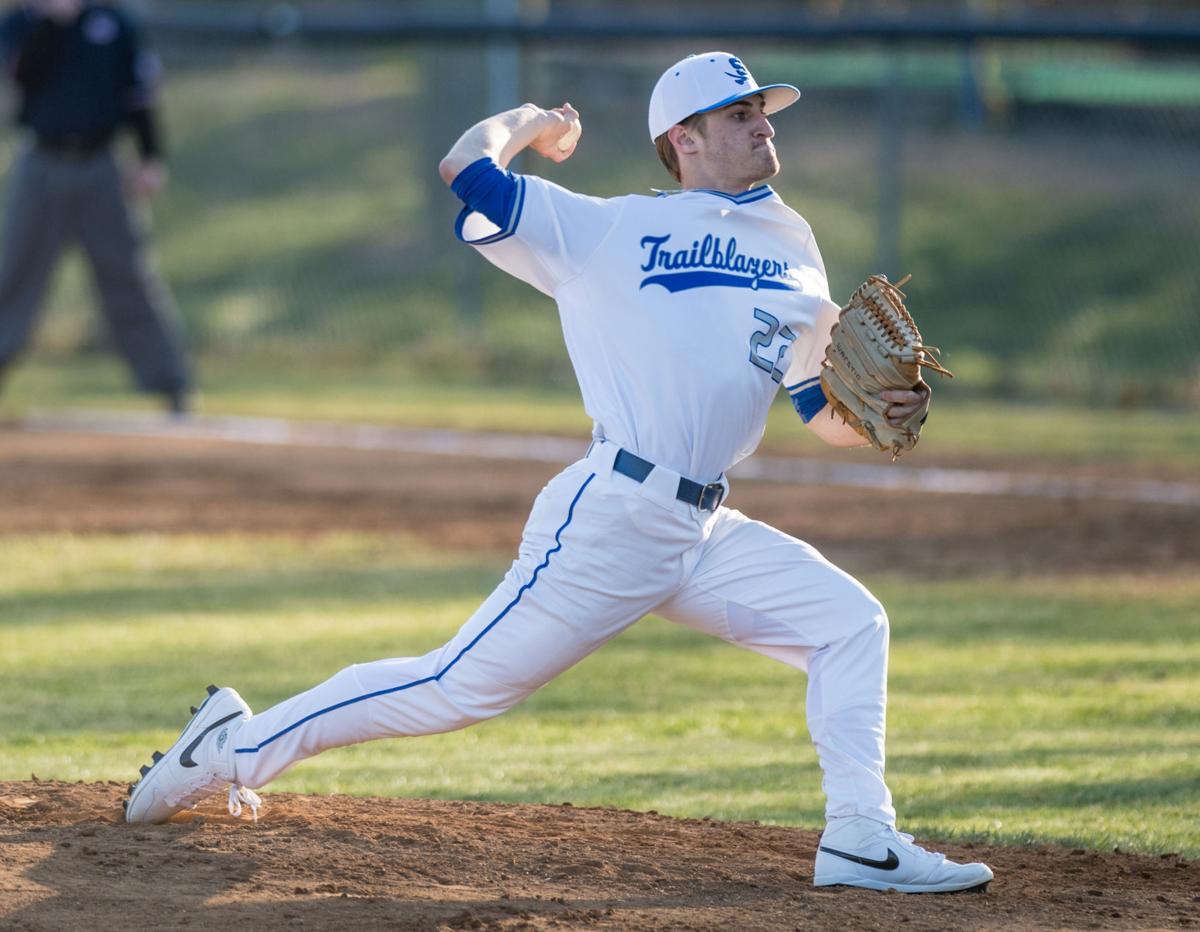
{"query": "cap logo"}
(739, 74)
(700, 83)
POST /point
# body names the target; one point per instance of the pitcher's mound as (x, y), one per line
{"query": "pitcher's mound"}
(67, 861)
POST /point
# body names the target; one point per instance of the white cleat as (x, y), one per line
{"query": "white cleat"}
(861, 852)
(198, 764)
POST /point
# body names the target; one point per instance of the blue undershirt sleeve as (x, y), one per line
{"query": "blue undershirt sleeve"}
(807, 398)
(486, 188)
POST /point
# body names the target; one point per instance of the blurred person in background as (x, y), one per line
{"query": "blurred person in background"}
(82, 75)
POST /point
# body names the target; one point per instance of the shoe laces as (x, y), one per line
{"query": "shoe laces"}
(243, 794)
(191, 792)
(910, 842)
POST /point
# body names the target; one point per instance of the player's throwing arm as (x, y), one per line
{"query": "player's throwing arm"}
(552, 133)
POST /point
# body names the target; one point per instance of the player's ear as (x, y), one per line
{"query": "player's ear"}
(683, 138)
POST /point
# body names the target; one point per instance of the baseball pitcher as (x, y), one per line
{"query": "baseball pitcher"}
(683, 314)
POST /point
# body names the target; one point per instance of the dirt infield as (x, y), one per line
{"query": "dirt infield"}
(104, 484)
(67, 862)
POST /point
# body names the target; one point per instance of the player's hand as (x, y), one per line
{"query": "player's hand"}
(558, 139)
(905, 403)
(147, 179)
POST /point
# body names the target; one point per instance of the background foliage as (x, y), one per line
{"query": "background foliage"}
(1046, 199)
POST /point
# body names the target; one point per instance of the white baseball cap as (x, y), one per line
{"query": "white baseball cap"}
(706, 82)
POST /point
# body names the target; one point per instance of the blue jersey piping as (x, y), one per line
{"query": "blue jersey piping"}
(746, 197)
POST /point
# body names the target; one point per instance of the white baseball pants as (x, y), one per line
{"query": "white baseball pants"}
(599, 551)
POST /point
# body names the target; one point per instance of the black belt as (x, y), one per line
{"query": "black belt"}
(705, 497)
(79, 146)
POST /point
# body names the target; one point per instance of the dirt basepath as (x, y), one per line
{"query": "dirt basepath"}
(67, 862)
(106, 484)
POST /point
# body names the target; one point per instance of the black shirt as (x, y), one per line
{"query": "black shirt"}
(80, 83)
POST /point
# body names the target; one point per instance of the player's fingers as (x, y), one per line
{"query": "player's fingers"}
(900, 418)
(904, 403)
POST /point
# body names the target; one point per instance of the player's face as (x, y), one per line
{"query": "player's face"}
(735, 150)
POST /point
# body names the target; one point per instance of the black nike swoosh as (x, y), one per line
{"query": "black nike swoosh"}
(185, 759)
(888, 864)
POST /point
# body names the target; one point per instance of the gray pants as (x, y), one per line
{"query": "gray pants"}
(56, 199)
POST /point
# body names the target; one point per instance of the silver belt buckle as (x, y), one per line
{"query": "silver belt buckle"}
(716, 488)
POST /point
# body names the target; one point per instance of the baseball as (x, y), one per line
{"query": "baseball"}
(574, 130)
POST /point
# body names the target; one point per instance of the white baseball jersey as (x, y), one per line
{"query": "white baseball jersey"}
(682, 313)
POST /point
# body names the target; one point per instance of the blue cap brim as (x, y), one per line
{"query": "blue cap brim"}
(773, 102)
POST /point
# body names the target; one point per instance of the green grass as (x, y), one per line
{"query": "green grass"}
(1040, 710)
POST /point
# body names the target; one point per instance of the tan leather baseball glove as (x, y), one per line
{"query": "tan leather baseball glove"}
(874, 347)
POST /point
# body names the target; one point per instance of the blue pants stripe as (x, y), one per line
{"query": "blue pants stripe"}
(462, 653)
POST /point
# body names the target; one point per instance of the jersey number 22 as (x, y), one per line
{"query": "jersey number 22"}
(762, 340)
